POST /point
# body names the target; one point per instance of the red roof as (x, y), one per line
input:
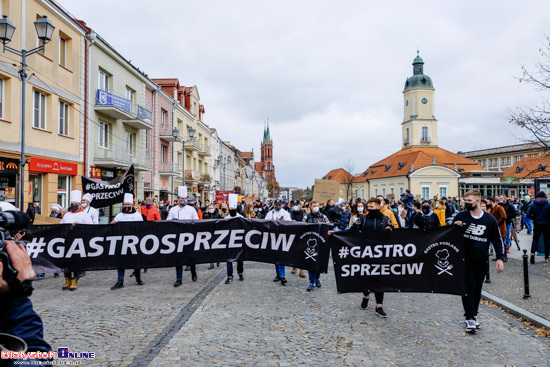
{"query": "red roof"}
(167, 82)
(339, 174)
(399, 163)
(530, 167)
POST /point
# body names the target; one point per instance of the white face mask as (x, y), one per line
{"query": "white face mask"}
(360, 209)
(315, 209)
(83, 205)
(210, 211)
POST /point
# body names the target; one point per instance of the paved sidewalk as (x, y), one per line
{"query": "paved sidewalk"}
(261, 323)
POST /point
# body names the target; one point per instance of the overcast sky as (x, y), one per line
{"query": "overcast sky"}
(329, 75)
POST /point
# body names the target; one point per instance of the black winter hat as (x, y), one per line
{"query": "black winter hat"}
(541, 194)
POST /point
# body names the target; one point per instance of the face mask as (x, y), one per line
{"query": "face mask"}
(489, 206)
(73, 208)
(295, 208)
(224, 210)
(84, 205)
(129, 209)
(277, 208)
(437, 205)
(148, 205)
(211, 211)
(360, 209)
(232, 212)
(374, 212)
(183, 202)
(469, 206)
(315, 209)
(425, 209)
(191, 204)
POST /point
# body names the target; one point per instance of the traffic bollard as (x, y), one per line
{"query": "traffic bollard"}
(526, 295)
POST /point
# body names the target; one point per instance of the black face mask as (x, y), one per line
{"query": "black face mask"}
(232, 212)
(469, 206)
(224, 210)
(426, 209)
(129, 210)
(73, 208)
(489, 206)
(374, 212)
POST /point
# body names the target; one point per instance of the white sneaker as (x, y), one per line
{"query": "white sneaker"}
(478, 324)
(470, 326)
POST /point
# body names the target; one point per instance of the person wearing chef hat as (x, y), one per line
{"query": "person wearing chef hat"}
(128, 214)
(55, 211)
(278, 213)
(233, 213)
(92, 212)
(75, 215)
(182, 211)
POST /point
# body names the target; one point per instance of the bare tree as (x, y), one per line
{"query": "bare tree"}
(347, 181)
(536, 118)
(273, 188)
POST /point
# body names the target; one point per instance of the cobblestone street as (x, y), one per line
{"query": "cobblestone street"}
(260, 323)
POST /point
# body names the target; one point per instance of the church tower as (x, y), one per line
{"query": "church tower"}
(419, 127)
(267, 155)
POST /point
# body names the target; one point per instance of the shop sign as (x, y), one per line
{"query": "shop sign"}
(10, 193)
(95, 172)
(46, 165)
(8, 165)
(164, 186)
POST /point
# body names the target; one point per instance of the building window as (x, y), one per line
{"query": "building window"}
(401, 191)
(130, 138)
(103, 81)
(131, 96)
(1, 98)
(426, 192)
(375, 191)
(62, 52)
(39, 115)
(362, 192)
(64, 118)
(509, 161)
(384, 191)
(442, 192)
(104, 131)
(424, 134)
(163, 150)
(63, 188)
(391, 190)
(163, 117)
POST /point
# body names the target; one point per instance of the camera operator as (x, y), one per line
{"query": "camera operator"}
(17, 316)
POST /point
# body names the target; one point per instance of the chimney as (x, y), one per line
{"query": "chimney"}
(433, 161)
(455, 167)
(412, 167)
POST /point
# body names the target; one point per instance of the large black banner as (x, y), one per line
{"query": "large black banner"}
(110, 192)
(129, 245)
(408, 260)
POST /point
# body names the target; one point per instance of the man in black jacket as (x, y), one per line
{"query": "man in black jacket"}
(426, 219)
(539, 212)
(374, 219)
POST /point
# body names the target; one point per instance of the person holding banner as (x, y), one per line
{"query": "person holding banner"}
(75, 215)
(92, 212)
(128, 214)
(278, 213)
(373, 220)
(426, 219)
(182, 212)
(481, 230)
(315, 217)
(234, 213)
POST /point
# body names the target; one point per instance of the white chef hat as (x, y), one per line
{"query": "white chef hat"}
(55, 207)
(128, 198)
(182, 191)
(233, 201)
(88, 197)
(76, 196)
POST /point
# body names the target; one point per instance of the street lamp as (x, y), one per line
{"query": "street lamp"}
(191, 134)
(44, 30)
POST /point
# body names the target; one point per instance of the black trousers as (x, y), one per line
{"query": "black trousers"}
(475, 275)
(379, 296)
(538, 230)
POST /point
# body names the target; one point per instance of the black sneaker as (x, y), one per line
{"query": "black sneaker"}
(229, 280)
(478, 324)
(283, 281)
(194, 278)
(380, 312)
(118, 285)
(533, 259)
(364, 303)
(177, 283)
(139, 282)
(277, 278)
(241, 278)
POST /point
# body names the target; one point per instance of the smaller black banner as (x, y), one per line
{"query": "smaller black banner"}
(407, 260)
(110, 192)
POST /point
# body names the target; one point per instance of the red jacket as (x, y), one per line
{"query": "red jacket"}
(151, 213)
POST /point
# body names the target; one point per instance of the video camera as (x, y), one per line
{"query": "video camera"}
(10, 220)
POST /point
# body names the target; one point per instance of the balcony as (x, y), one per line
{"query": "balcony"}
(192, 146)
(205, 178)
(112, 105)
(116, 156)
(406, 142)
(167, 133)
(205, 150)
(169, 169)
(194, 176)
(425, 141)
(143, 120)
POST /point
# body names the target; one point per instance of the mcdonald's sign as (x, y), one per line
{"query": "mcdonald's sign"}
(9, 165)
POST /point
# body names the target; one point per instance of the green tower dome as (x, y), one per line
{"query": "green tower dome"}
(419, 79)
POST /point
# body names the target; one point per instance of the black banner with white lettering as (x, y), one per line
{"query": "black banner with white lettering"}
(407, 260)
(110, 192)
(129, 245)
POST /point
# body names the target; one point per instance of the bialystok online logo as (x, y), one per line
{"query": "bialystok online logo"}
(62, 353)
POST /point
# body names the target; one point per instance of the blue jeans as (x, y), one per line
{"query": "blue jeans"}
(281, 270)
(313, 276)
(179, 271)
(137, 274)
(240, 268)
(528, 222)
(507, 241)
